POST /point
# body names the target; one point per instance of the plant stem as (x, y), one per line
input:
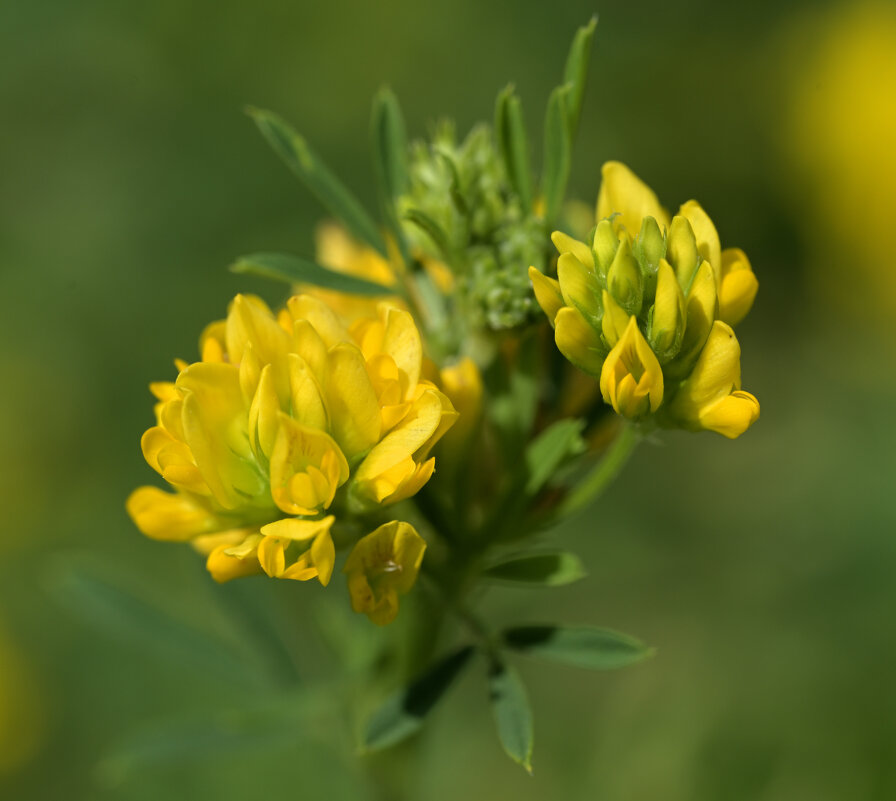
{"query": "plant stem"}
(604, 472)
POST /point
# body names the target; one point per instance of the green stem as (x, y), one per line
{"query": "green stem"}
(604, 472)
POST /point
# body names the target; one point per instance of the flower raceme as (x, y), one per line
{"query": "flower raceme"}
(648, 307)
(289, 424)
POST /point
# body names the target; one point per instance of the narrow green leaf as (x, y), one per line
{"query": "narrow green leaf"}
(510, 133)
(512, 713)
(576, 72)
(295, 270)
(550, 449)
(103, 597)
(580, 646)
(542, 569)
(557, 147)
(431, 228)
(325, 186)
(390, 145)
(404, 712)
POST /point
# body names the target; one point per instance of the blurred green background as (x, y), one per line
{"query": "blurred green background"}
(763, 570)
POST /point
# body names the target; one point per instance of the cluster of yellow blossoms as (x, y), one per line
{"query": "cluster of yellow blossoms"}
(648, 308)
(289, 425)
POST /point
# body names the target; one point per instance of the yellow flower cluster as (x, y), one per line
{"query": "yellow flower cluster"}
(648, 308)
(288, 423)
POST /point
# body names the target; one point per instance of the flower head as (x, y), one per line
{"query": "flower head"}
(289, 423)
(639, 305)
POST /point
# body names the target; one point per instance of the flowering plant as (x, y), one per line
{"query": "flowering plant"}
(443, 387)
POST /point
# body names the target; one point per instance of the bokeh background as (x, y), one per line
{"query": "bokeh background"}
(763, 570)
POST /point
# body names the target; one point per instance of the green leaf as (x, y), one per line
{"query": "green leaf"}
(104, 597)
(390, 145)
(295, 270)
(431, 228)
(576, 72)
(550, 449)
(325, 186)
(580, 646)
(512, 713)
(510, 134)
(557, 152)
(542, 569)
(404, 712)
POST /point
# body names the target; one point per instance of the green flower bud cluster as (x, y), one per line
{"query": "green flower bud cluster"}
(461, 211)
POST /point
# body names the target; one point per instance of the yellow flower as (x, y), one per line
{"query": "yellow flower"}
(635, 306)
(290, 422)
(631, 380)
(711, 397)
(382, 566)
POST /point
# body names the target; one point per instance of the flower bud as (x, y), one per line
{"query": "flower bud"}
(624, 279)
(738, 286)
(606, 243)
(578, 341)
(579, 287)
(547, 293)
(667, 320)
(681, 250)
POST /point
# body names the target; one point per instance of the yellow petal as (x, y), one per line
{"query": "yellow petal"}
(296, 450)
(404, 440)
(579, 286)
(547, 293)
(226, 562)
(578, 341)
(355, 417)
(323, 554)
(272, 556)
(624, 194)
(710, 398)
(701, 312)
(401, 341)
(169, 516)
(320, 316)
(681, 251)
(669, 311)
(264, 415)
(215, 422)
(705, 233)
(615, 320)
(305, 394)
(738, 286)
(566, 244)
(732, 415)
(292, 528)
(631, 380)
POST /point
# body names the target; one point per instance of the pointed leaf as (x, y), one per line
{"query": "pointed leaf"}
(557, 147)
(541, 569)
(295, 270)
(550, 449)
(325, 186)
(579, 646)
(404, 712)
(576, 71)
(512, 713)
(510, 134)
(390, 145)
